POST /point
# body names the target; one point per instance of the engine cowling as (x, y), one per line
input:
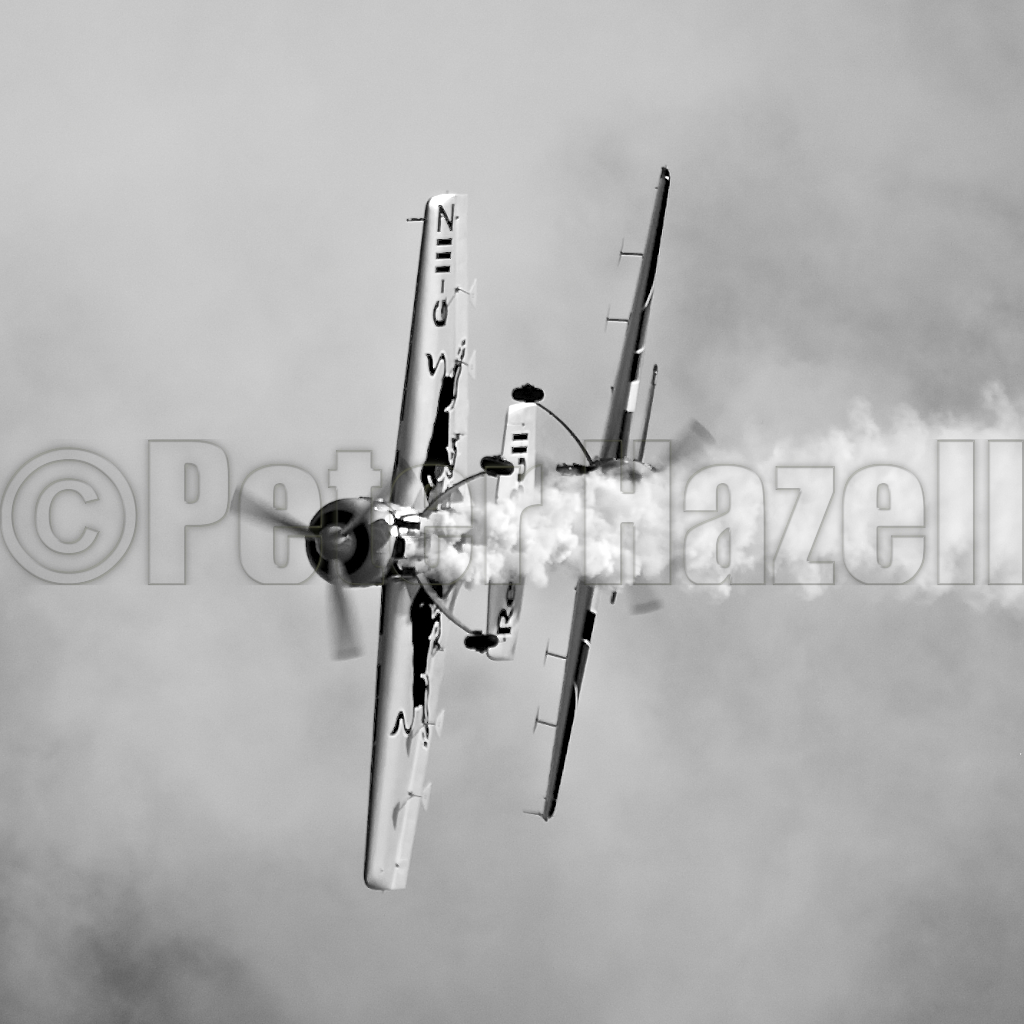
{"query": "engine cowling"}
(366, 551)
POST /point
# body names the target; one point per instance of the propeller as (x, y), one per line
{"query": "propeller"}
(340, 615)
(344, 632)
(252, 507)
(256, 509)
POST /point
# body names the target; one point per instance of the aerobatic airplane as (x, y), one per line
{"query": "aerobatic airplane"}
(355, 542)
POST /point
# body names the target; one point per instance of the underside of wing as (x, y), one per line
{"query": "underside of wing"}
(513, 494)
(429, 453)
(627, 380)
(434, 402)
(409, 667)
(580, 632)
(614, 445)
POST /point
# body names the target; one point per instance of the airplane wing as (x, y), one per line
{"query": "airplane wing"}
(410, 659)
(627, 380)
(614, 446)
(505, 600)
(432, 422)
(580, 631)
(430, 451)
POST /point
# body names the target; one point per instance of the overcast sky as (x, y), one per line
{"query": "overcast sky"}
(774, 810)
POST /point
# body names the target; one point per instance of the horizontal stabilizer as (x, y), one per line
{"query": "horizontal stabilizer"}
(519, 446)
(504, 606)
(522, 489)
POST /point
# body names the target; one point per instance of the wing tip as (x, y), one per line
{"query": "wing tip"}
(379, 881)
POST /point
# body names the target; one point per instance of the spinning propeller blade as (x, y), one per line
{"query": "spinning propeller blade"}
(344, 633)
(255, 509)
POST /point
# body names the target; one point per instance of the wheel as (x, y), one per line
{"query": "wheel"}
(481, 641)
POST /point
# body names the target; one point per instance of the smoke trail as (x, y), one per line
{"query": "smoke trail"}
(712, 517)
(912, 443)
(577, 524)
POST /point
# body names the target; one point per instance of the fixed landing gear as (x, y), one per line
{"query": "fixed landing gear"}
(481, 641)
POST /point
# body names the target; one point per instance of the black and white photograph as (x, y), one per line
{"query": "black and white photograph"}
(512, 512)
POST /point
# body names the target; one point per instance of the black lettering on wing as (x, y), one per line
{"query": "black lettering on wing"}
(443, 448)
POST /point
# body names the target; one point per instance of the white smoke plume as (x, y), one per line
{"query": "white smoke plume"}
(911, 441)
(577, 524)
(710, 517)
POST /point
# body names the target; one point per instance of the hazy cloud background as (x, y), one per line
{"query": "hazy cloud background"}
(774, 810)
